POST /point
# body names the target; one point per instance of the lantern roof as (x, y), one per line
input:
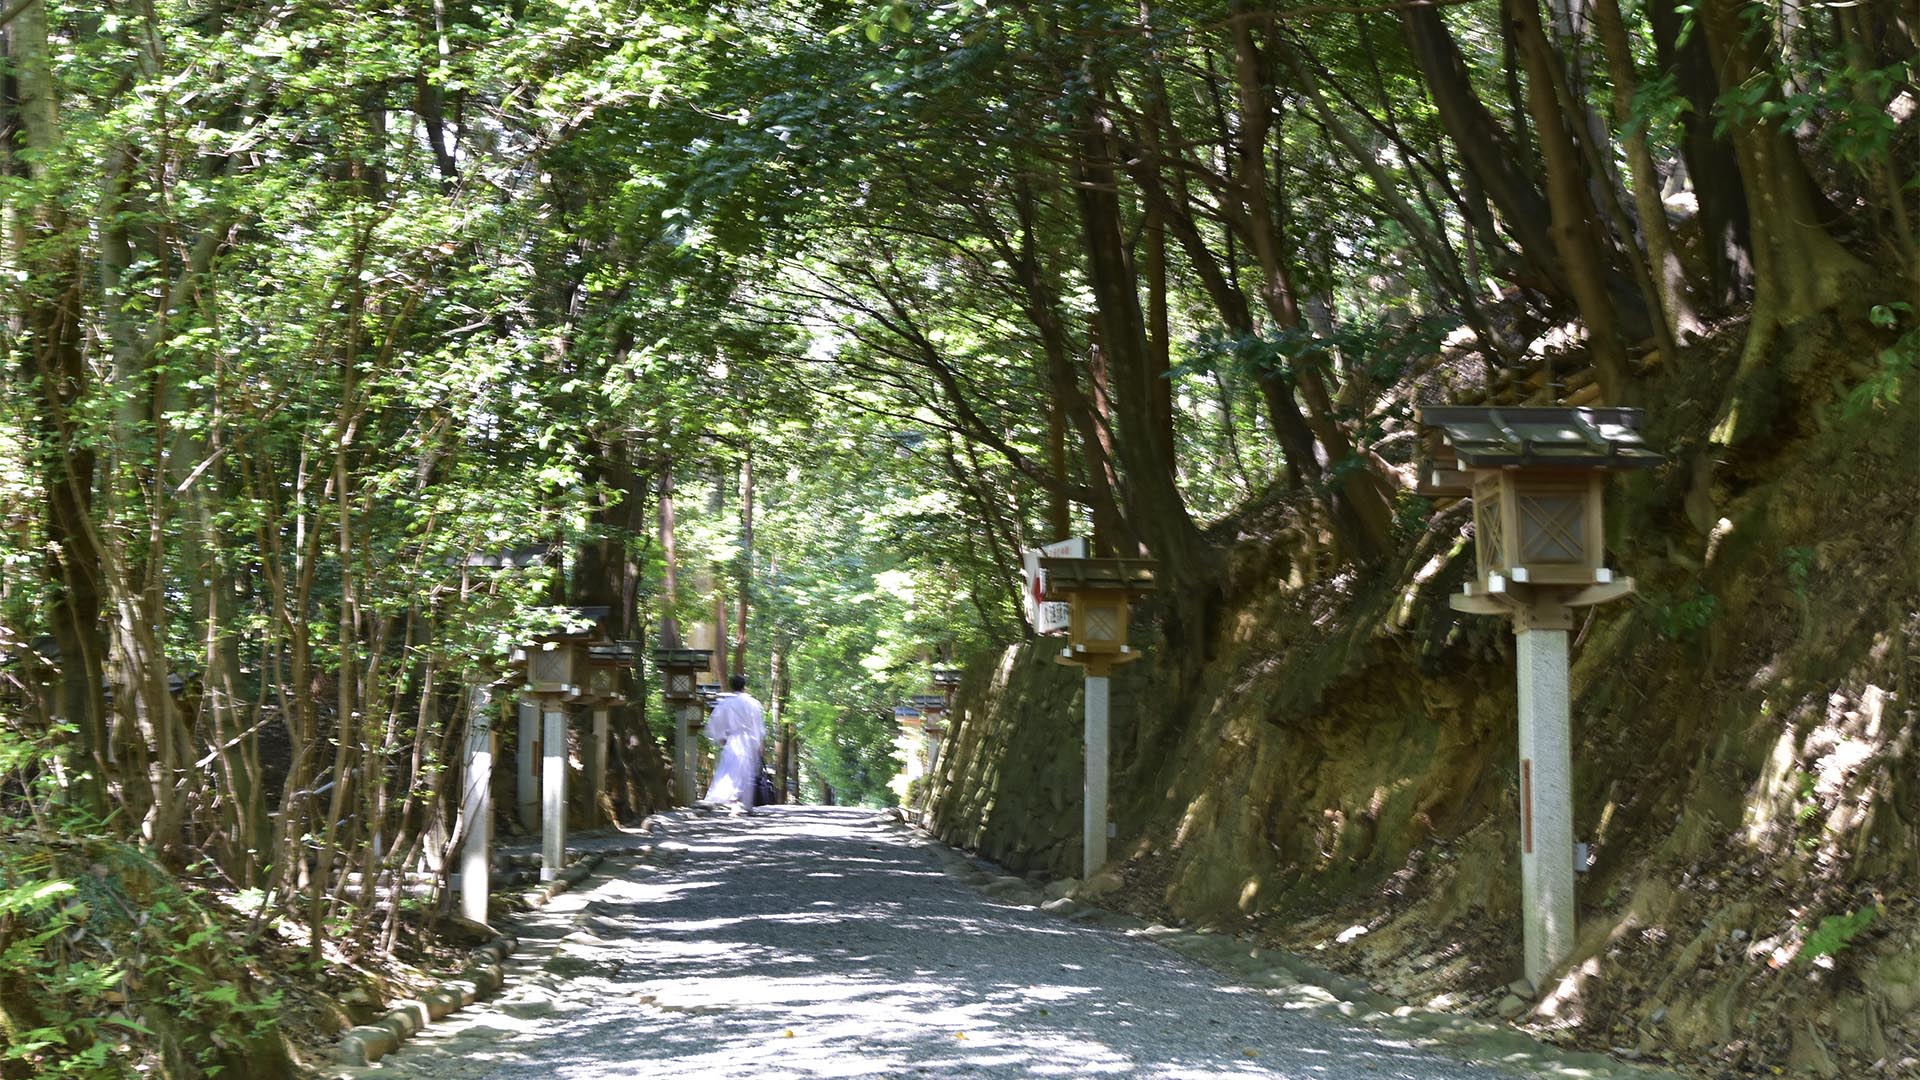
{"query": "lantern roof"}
(1068, 576)
(697, 659)
(611, 654)
(946, 677)
(1483, 437)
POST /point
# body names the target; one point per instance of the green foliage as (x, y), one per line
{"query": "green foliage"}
(1797, 562)
(1836, 932)
(1682, 617)
(102, 954)
(1897, 364)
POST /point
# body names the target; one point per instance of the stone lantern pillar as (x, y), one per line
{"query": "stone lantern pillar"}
(605, 661)
(683, 669)
(554, 670)
(1536, 478)
(1099, 594)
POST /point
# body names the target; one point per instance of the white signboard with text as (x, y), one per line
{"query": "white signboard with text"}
(1048, 618)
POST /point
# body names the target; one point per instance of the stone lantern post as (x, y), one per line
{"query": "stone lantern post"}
(555, 671)
(933, 715)
(1099, 594)
(1536, 477)
(476, 804)
(683, 669)
(602, 693)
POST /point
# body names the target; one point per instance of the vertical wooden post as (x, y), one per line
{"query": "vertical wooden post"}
(526, 779)
(1546, 790)
(476, 807)
(553, 792)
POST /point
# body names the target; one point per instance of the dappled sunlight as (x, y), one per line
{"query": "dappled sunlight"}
(814, 949)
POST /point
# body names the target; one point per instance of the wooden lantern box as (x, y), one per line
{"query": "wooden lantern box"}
(1536, 477)
(605, 661)
(553, 667)
(1099, 595)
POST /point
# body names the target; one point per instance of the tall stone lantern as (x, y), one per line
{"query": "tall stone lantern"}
(1536, 477)
(554, 669)
(933, 712)
(1099, 594)
(602, 693)
(683, 668)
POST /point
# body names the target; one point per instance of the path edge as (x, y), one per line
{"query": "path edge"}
(483, 976)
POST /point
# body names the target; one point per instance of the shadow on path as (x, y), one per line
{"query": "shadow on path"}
(814, 942)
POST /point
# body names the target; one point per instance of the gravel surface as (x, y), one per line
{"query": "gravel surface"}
(814, 942)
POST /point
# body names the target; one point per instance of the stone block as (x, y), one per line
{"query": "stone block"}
(367, 1044)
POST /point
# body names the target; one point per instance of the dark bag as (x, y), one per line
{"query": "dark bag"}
(763, 790)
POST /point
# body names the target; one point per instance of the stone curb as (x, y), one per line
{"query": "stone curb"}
(483, 976)
(1299, 986)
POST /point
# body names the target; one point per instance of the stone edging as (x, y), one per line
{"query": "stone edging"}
(483, 975)
(1291, 982)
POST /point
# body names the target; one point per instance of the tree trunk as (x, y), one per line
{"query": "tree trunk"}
(1573, 213)
(1726, 243)
(1362, 503)
(1485, 150)
(55, 361)
(1154, 503)
(670, 560)
(745, 577)
(607, 575)
(1799, 270)
(1663, 257)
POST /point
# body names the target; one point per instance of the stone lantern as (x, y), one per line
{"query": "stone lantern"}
(683, 668)
(933, 711)
(602, 693)
(1099, 594)
(1536, 477)
(554, 669)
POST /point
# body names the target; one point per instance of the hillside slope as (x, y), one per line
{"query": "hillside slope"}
(1339, 774)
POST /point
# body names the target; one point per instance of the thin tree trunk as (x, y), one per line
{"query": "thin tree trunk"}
(1676, 292)
(1573, 214)
(745, 583)
(1726, 243)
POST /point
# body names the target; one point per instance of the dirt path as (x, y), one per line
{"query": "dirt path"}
(817, 942)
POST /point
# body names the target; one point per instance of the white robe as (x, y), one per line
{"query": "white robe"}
(737, 724)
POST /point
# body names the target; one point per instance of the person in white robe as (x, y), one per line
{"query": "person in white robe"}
(738, 726)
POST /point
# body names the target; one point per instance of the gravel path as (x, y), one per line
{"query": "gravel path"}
(817, 942)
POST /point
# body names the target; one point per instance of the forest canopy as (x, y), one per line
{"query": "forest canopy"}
(801, 321)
